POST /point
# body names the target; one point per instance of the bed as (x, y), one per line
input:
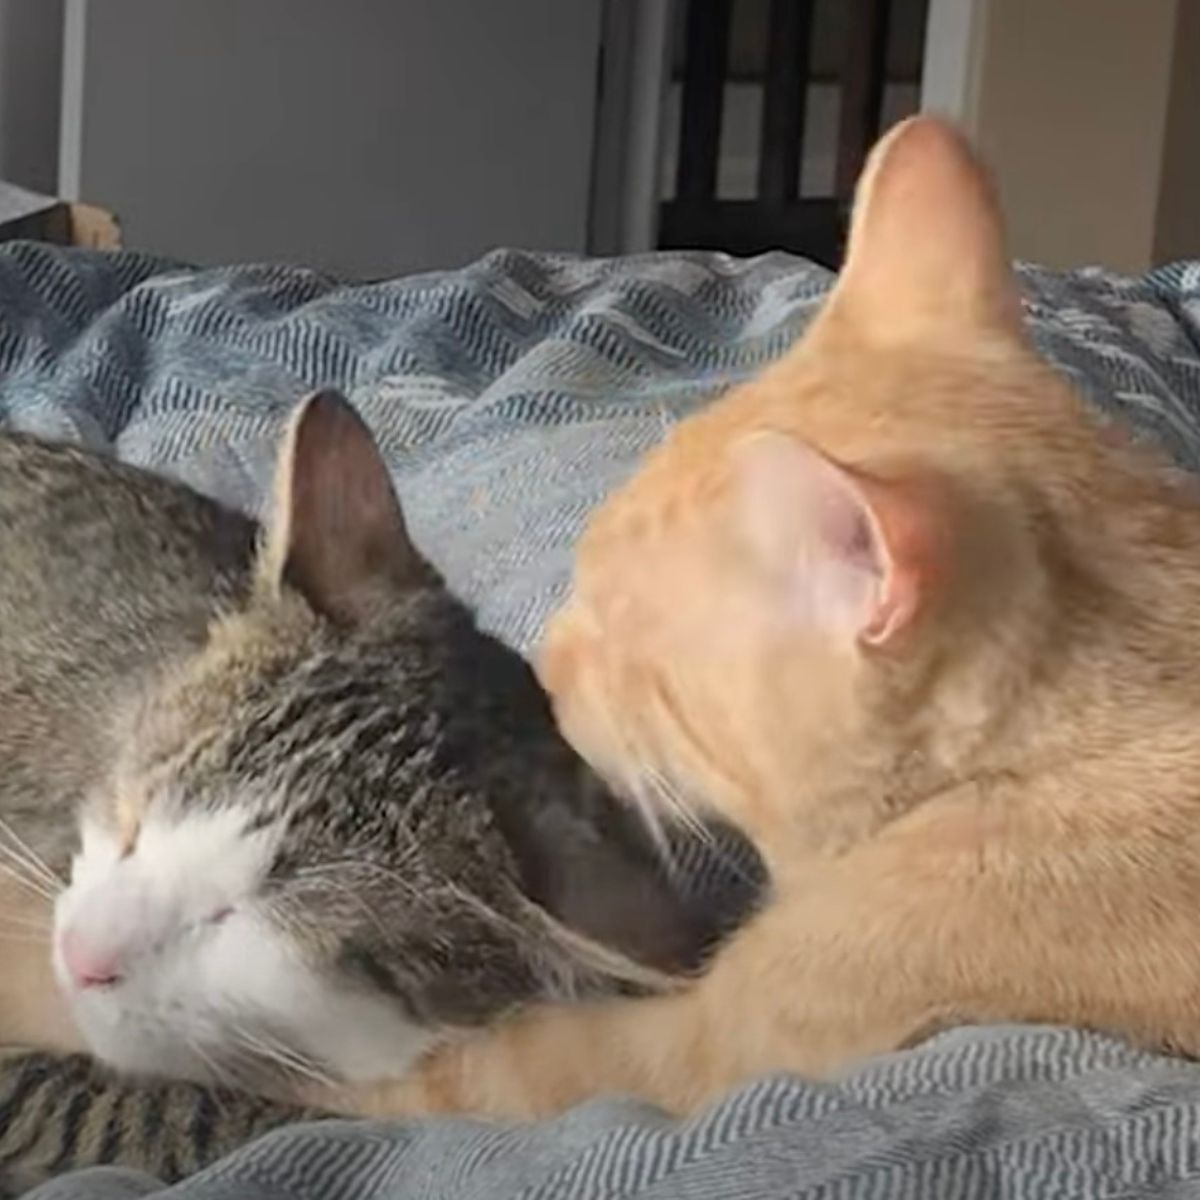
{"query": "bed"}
(509, 398)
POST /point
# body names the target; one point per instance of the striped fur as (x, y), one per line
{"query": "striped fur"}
(63, 1112)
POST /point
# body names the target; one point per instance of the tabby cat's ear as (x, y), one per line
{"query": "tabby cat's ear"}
(336, 532)
(926, 256)
(840, 552)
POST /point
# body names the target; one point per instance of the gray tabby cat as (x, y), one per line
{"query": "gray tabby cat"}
(323, 819)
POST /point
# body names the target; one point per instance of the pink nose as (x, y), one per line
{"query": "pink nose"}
(88, 966)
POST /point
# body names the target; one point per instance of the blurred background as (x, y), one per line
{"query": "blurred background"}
(375, 137)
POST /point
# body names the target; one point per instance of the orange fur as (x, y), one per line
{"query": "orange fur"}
(896, 610)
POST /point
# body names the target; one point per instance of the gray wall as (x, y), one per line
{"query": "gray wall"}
(30, 63)
(365, 136)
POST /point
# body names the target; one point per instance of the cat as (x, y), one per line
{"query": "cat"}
(61, 1113)
(324, 820)
(926, 633)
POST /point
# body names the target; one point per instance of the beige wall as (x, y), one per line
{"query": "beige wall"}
(1177, 224)
(1089, 111)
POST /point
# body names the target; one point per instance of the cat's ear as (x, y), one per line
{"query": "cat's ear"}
(926, 255)
(336, 532)
(840, 552)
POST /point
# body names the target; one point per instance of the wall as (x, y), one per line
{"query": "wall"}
(954, 35)
(1088, 111)
(366, 136)
(1071, 111)
(1177, 221)
(30, 66)
(629, 126)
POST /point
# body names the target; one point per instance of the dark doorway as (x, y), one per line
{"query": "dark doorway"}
(772, 107)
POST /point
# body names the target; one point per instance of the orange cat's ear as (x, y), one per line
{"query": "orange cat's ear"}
(843, 553)
(926, 256)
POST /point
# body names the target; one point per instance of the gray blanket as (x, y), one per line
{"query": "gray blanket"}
(510, 397)
(1022, 1113)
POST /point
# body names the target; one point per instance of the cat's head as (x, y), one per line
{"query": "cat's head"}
(348, 822)
(902, 558)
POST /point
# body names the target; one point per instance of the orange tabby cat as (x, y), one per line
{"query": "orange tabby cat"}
(898, 610)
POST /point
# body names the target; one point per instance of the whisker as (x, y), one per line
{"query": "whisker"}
(651, 816)
(21, 921)
(343, 889)
(304, 1064)
(217, 1069)
(247, 1059)
(31, 857)
(31, 869)
(681, 811)
(285, 1056)
(18, 874)
(341, 868)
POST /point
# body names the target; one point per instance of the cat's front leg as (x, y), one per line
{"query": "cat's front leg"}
(546, 1059)
(941, 920)
(775, 999)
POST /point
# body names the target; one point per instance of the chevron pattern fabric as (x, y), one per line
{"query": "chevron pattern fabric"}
(509, 397)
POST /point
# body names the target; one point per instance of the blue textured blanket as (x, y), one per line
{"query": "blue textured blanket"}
(510, 397)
